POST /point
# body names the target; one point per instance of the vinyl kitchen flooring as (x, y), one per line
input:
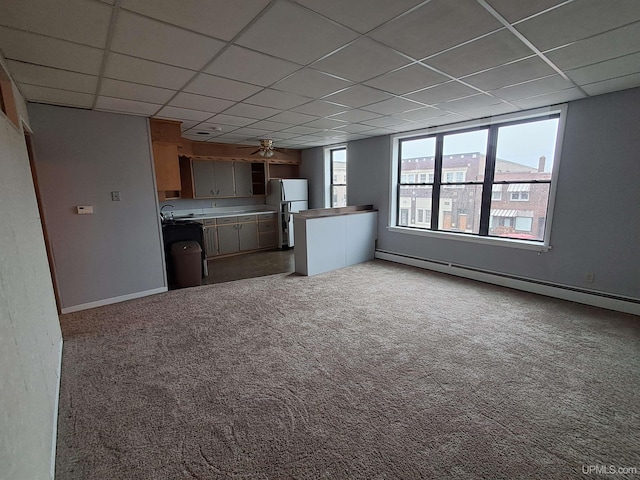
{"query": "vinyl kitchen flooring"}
(249, 265)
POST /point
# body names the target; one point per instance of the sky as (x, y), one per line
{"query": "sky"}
(524, 143)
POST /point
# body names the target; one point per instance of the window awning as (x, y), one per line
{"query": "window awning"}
(518, 187)
(512, 213)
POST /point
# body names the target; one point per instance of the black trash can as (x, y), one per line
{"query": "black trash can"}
(187, 263)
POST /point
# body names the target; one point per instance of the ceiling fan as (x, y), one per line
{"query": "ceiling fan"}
(266, 148)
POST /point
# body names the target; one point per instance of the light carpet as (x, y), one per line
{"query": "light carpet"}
(375, 371)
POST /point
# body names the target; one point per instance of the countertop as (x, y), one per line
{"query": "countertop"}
(194, 216)
(334, 212)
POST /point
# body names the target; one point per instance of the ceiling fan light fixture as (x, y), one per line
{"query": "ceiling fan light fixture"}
(268, 153)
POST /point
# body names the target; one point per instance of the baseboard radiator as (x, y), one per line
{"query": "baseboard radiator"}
(566, 292)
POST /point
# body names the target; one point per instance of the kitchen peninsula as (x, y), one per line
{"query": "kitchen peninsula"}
(332, 238)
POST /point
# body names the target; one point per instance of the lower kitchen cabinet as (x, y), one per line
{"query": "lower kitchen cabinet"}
(248, 236)
(210, 241)
(228, 241)
(229, 235)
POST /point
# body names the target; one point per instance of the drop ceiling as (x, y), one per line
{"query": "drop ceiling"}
(308, 73)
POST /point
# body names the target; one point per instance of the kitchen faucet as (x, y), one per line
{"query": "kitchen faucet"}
(162, 214)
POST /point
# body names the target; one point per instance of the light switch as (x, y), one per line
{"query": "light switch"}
(115, 196)
(84, 209)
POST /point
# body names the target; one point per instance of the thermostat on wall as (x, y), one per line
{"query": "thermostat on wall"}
(85, 209)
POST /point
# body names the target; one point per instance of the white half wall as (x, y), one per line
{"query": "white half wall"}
(30, 338)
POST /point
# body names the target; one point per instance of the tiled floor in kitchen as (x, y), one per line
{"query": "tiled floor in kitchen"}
(249, 265)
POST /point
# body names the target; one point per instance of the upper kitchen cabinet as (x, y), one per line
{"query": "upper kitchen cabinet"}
(215, 179)
(166, 141)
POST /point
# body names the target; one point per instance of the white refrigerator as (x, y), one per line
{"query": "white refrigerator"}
(289, 195)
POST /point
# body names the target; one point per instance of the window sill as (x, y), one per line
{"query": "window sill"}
(499, 242)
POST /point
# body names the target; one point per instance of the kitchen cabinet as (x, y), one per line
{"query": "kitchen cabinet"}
(237, 234)
(267, 231)
(243, 179)
(210, 237)
(165, 143)
(217, 178)
(165, 159)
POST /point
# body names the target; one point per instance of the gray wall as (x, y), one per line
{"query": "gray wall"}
(312, 168)
(596, 225)
(30, 339)
(81, 156)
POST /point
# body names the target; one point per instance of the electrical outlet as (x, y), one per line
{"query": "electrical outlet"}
(84, 209)
(115, 196)
(214, 204)
(591, 277)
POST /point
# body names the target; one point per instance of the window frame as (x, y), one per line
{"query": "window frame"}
(558, 111)
(332, 185)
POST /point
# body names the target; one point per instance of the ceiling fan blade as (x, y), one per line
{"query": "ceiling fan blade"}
(253, 153)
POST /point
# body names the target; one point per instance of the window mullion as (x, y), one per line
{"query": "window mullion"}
(437, 181)
(489, 169)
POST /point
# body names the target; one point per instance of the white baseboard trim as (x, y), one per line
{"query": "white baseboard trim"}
(109, 301)
(56, 405)
(564, 292)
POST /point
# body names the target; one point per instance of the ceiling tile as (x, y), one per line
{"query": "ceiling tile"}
(126, 106)
(361, 60)
(218, 18)
(134, 91)
(224, 119)
(276, 99)
(122, 67)
(481, 54)
(442, 93)
(613, 84)
(355, 116)
(34, 93)
(490, 110)
(421, 114)
(615, 43)
(152, 40)
(514, 11)
(311, 83)
(294, 33)
(617, 67)
(325, 123)
(535, 87)
(550, 98)
(351, 13)
(251, 111)
(78, 21)
(200, 102)
(269, 125)
(302, 130)
(284, 135)
(468, 103)
(252, 67)
(219, 87)
(393, 105)
(198, 137)
(251, 132)
(39, 50)
(457, 21)
(383, 121)
(510, 74)
(320, 108)
(355, 128)
(357, 96)
(52, 77)
(187, 124)
(183, 114)
(293, 118)
(577, 20)
(408, 79)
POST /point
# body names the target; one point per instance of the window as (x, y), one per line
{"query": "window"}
(471, 170)
(338, 159)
